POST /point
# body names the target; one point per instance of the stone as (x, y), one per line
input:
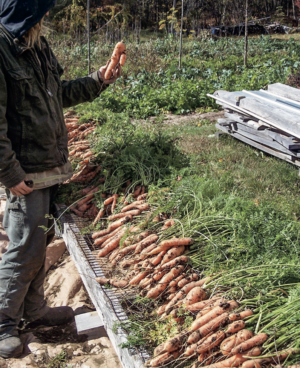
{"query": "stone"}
(54, 251)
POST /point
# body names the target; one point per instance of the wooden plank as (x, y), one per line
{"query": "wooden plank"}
(283, 90)
(261, 147)
(261, 137)
(100, 299)
(88, 322)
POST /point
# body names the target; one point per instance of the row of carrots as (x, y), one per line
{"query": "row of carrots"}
(161, 271)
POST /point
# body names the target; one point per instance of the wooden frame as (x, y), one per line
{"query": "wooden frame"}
(105, 301)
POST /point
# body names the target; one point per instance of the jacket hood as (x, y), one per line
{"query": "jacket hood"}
(18, 16)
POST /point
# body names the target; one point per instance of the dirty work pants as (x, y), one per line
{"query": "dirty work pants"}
(22, 270)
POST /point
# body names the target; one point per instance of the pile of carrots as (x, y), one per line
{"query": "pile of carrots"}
(160, 270)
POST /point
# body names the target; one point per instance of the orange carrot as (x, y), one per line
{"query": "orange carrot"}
(137, 191)
(280, 356)
(121, 215)
(193, 277)
(137, 279)
(163, 359)
(119, 49)
(142, 197)
(210, 303)
(162, 285)
(236, 360)
(102, 280)
(175, 342)
(196, 295)
(159, 275)
(101, 240)
(175, 262)
(173, 243)
(101, 213)
(235, 326)
(159, 349)
(168, 224)
(235, 340)
(211, 342)
(144, 253)
(112, 236)
(161, 309)
(119, 283)
(132, 205)
(174, 283)
(87, 198)
(123, 59)
(115, 198)
(190, 350)
(249, 344)
(205, 357)
(157, 259)
(213, 325)
(217, 311)
(173, 253)
(112, 245)
(128, 262)
(240, 315)
(116, 224)
(143, 207)
(114, 254)
(108, 201)
(145, 243)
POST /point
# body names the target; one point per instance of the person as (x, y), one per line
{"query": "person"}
(33, 146)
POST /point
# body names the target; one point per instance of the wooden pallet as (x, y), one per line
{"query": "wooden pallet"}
(106, 301)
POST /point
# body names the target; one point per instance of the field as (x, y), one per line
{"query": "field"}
(239, 204)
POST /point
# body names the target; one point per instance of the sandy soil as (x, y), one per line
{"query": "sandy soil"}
(57, 347)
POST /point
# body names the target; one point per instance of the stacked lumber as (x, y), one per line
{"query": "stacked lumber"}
(267, 120)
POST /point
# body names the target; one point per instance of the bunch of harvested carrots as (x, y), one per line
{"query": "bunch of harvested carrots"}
(160, 269)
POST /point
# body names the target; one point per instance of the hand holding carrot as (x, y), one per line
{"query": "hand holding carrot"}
(116, 73)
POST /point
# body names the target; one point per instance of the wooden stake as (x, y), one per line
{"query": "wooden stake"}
(181, 31)
(246, 36)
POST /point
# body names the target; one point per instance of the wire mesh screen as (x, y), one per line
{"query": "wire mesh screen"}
(120, 300)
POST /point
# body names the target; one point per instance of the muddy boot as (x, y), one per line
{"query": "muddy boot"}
(11, 347)
(54, 317)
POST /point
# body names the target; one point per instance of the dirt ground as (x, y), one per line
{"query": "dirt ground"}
(57, 347)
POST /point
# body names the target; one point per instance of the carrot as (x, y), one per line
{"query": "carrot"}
(211, 303)
(162, 285)
(175, 262)
(137, 191)
(157, 259)
(115, 198)
(211, 342)
(163, 359)
(161, 309)
(175, 342)
(207, 309)
(235, 340)
(101, 240)
(159, 275)
(116, 224)
(173, 253)
(137, 279)
(114, 254)
(217, 311)
(145, 252)
(102, 280)
(87, 198)
(132, 205)
(146, 282)
(159, 349)
(234, 361)
(111, 246)
(173, 243)
(168, 224)
(108, 201)
(249, 344)
(143, 207)
(101, 213)
(196, 295)
(77, 213)
(240, 315)
(170, 297)
(84, 207)
(129, 262)
(256, 363)
(213, 325)
(193, 277)
(192, 348)
(142, 196)
(119, 283)
(119, 50)
(235, 326)
(112, 236)
(145, 243)
(175, 282)
(205, 357)
(121, 215)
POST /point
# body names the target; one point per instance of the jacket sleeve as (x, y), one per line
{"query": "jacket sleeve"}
(82, 90)
(11, 172)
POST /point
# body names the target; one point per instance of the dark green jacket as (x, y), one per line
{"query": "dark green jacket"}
(33, 135)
